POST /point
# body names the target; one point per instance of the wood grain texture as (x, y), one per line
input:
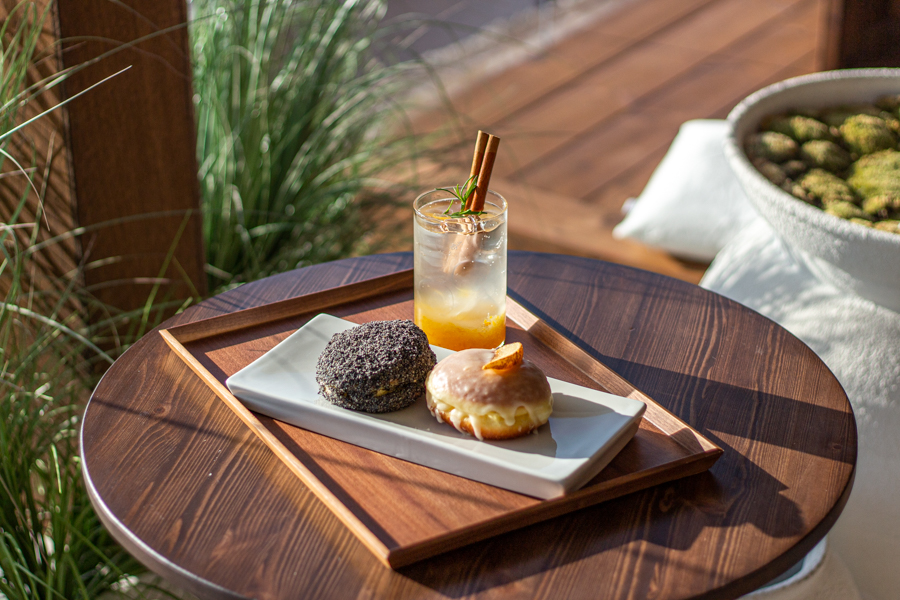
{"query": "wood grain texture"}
(271, 439)
(547, 127)
(708, 90)
(545, 72)
(366, 490)
(186, 486)
(132, 144)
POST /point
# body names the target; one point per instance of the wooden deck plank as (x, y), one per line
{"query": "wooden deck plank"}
(609, 198)
(709, 90)
(539, 131)
(612, 194)
(583, 232)
(486, 102)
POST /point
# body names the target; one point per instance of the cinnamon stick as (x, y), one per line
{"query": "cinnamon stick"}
(464, 250)
(477, 159)
(484, 175)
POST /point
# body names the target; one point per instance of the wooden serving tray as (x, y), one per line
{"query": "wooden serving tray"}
(404, 512)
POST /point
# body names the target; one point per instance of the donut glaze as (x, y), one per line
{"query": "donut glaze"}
(489, 404)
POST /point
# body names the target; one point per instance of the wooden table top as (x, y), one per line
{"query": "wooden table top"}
(185, 486)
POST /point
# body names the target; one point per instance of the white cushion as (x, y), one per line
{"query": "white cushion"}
(693, 204)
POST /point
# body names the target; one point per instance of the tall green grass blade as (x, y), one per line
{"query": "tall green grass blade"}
(296, 118)
(56, 325)
(41, 115)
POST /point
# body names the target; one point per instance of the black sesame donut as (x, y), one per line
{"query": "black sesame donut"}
(376, 367)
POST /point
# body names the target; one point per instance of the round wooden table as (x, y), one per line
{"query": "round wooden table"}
(185, 486)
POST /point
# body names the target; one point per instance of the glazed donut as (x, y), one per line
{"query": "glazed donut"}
(491, 404)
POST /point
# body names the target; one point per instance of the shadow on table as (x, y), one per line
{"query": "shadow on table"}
(754, 414)
(675, 515)
(737, 490)
(157, 418)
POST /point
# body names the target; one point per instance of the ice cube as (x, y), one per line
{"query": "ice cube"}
(437, 292)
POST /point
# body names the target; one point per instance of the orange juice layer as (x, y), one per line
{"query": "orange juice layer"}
(453, 336)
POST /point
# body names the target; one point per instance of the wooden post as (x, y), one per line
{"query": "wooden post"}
(132, 145)
(863, 33)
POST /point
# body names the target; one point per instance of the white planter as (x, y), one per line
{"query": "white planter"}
(859, 259)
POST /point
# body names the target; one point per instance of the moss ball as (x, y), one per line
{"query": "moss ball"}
(877, 174)
(772, 146)
(845, 210)
(890, 226)
(795, 168)
(865, 134)
(770, 171)
(885, 206)
(827, 187)
(800, 128)
(825, 155)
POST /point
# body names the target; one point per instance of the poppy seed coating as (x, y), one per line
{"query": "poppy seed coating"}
(376, 367)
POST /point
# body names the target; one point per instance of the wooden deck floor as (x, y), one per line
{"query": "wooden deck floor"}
(585, 123)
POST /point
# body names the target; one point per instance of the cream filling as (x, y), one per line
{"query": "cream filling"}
(482, 416)
(382, 391)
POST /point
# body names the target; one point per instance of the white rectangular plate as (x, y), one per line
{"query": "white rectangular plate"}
(585, 432)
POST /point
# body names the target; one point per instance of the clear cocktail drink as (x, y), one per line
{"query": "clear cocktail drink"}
(460, 272)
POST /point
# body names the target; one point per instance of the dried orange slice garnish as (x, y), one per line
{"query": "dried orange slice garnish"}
(506, 357)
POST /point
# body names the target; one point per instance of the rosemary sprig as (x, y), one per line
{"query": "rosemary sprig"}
(462, 194)
(464, 213)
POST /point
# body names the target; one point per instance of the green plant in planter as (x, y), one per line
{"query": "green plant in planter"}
(294, 116)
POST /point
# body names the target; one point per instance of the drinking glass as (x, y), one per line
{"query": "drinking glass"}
(460, 272)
